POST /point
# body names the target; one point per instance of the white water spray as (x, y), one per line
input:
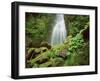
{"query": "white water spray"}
(59, 31)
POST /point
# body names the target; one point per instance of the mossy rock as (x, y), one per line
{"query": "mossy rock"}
(37, 50)
(35, 65)
(58, 61)
(46, 64)
(43, 49)
(39, 57)
(29, 53)
(45, 44)
(42, 60)
(30, 50)
(63, 53)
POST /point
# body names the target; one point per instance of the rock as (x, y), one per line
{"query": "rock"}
(63, 53)
(32, 53)
(37, 50)
(45, 44)
(43, 49)
(29, 53)
(30, 50)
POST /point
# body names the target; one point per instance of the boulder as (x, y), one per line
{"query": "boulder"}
(43, 49)
(63, 53)
(45, 44)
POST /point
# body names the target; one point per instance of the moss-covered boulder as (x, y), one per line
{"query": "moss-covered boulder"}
(29, 53)
(63, 53)
(37, 50)
(43, 49)
(32, 53)
(45, 44)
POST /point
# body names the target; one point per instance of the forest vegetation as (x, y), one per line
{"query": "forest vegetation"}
(40, 53)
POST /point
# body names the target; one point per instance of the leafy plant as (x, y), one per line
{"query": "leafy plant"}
(75, 42)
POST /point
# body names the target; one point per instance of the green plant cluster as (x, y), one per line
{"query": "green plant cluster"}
(75, 43)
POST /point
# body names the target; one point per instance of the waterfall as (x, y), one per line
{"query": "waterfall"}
(59, 31)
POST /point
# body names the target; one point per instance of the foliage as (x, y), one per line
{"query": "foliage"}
(75, 43)
(36, 28)
(79, 57)
(74, 51)
(75, 47)
(75, 23)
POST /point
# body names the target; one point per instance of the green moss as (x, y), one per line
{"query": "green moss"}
(43, 49)
(37, 50)
(30, 50)
(39, 57)
(48, 63)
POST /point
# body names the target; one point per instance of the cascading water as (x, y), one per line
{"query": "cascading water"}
(59, 31)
